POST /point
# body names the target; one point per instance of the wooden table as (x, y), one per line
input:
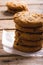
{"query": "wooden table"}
(6, 22)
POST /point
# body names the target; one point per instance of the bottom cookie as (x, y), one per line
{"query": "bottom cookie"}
(27, 49)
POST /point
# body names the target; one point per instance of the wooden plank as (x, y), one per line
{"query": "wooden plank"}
(7, 24)
(10, 58)
(27, 61)
(1, 46)
(0, 35)
(3, 63)
(3, 8)
(20, 59)
(3, 2)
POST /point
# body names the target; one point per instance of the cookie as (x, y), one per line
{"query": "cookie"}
(27, 48)
(27, 36)
(31, 37)
(34, 31)
(28, 20)
(29, 43)
(16, 7)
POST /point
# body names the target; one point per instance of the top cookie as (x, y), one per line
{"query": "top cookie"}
(16, 6)
(26, 19)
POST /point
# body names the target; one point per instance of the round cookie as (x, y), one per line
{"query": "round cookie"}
(29, 43)
(27, 36)
(31, 37)
(16, 7)
(22, 29)
(27, 49)
(28, 20)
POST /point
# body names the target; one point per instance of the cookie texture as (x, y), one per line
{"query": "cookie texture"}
(31, 37)
(27, 19)
(27, 48)
(29, 43)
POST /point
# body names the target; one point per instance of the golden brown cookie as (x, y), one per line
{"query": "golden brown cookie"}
(29, 43)
(22, 29)
(27, 36)
(30, 20)
(33, 37)
(16, 7)
(27, 48)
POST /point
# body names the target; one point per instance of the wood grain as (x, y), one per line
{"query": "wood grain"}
(26, 61)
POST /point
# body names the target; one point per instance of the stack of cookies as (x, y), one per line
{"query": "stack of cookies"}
(28, 31)
(28, 28)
